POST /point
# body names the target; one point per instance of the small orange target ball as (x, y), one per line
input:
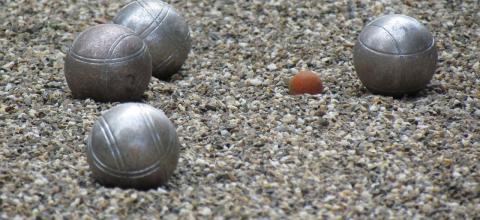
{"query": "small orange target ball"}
(306, 82)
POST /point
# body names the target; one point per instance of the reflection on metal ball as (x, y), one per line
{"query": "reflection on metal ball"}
(395, 55)
(164, 30)
(108, 63)
(133, 145)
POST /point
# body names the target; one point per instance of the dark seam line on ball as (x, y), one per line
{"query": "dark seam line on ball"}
(151, 128)
(175, 42)
(98, 162)
(128, 5)
(118, 173)
(145, 7)
(132, 175)
(114, 60)
(393, 38)
(172, 40)
(114, 142)
(406, 54)
(116, 42)
(158, 22)
(162, 3)
(109, 56)
(164, 62)
(104, 127)
(150, 25)
(143, 3)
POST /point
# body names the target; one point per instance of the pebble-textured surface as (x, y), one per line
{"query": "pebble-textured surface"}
(250, 150)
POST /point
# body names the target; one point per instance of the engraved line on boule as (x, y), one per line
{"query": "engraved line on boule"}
(121, 173)
(174, 41)
(159, 24)
(150, 25)
(405, 54)
(107, 139)
(113, 141)
(128, 5)
(399, 51)
(116, 43)
(164, 62)
(109, 56)
(110, 61)
(110, 142)
(155, 20)
(146, 4)
(151, 128)
(99, 164)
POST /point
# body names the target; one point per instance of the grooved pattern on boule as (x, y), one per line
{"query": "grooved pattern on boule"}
(112, 143)
(108, 63)
(151, 27)
(165, 62)
(395, 55)
(151, 127)
(402, 54)
(164, 30)
(108, 60)
(119, 170)
(144, 136)
(399, 50)
(158, 24)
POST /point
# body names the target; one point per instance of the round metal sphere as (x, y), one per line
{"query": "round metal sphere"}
(108, 63)
(395, 55)
(133, 145)
(164, 30)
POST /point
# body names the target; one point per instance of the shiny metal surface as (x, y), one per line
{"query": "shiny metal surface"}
(395, 55)
(133, 145)
(164, 30)
(108, 63)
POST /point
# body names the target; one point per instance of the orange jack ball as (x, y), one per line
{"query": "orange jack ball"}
(306, 82)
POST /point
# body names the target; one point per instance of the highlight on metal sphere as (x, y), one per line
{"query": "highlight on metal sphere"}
(108, 63)
(395, 55)
(133, 145)
(164, 30)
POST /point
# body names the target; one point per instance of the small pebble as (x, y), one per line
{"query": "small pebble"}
(306, 82)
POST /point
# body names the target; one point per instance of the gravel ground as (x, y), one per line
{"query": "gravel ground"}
(250, 150)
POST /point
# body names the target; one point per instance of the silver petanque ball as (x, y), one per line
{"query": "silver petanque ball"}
(133, 145)
(108, 63)
(395, 55)
(164, 30)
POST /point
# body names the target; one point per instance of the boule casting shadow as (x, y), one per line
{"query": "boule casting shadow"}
(133, 145)
(164, 30)
(395, 55)
(108, 63)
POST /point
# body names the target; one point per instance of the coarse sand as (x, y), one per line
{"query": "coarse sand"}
(250, 150)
